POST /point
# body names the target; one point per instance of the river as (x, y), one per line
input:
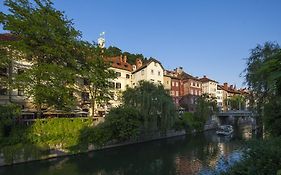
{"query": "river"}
(204, 153)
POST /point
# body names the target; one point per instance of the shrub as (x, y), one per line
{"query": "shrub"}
(262, 157)
(8, 114)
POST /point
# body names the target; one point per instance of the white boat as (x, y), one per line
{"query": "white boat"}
(225, 130)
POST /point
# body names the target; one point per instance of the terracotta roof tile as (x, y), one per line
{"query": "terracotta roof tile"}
(7, 37)
(117, 62)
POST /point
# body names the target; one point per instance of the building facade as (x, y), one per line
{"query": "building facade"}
(151, 71)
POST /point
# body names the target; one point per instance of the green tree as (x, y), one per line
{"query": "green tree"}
(112, 51)
(8, 116)
(263, 77)
(124, 122)
(48, 40)
(237, 102)
(131, 58)
(96, 72)
(205, 107)
(155, 104)
(6, 59)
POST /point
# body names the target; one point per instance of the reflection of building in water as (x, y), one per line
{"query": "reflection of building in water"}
(186, 165)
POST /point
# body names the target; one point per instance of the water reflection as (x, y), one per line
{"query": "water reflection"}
(199, 154)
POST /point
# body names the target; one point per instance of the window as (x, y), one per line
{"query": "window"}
(177, 84)
(197, 84)
(168, 82)
(173, 83)
(195, 91)
(152, 80)
(191, 91)
(177, 93)
(20, 92)
(159, 73)
(155, 64)
(172, 93)
(127, 76)
(118, 85)
(142, 72)
(118, 74)
(112, 85)
(86, 81)
(152, 71)
(85, 96)
(3, 71)
(3, 91)
(193, 83)
(159, 81)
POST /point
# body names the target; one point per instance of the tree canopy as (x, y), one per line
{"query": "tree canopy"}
(48, 40)
(154, 103)
(263, 76)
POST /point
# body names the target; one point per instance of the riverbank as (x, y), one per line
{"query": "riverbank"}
(21, 155)
(187, 154)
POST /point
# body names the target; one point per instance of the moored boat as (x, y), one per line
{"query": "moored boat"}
(225, 130)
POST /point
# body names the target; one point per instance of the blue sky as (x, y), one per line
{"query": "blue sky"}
(204, 37)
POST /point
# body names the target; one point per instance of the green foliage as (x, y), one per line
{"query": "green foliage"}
(272, 116)
(61, 132)
(262, 157)
(131, 58)
(185, 122)
(192, 122)
(121, 124)
(154, 103)
(264, 79)
(96, 71)
(124, 122)
(53, 133)
(113, 51)
(237, 102)
(205, 107)
(8, 114)
(48, 39)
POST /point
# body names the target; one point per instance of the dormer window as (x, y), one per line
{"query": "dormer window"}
(155, 64)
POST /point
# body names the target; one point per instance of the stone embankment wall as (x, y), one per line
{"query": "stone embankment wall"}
(22, 157)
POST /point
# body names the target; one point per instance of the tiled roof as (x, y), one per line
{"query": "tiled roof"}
(205, 79)
(229, 89)
(7, 37)
(145, 64)
(117, 62)
(185, 75)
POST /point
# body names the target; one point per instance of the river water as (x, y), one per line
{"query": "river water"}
(204, 153)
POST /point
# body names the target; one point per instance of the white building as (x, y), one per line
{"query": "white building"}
(123, 71)
(152, 71)
(219, 96)
(209, 86)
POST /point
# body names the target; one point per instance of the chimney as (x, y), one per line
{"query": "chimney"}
(179, 70)
(120, 59)
(138, 63)
(231, 86)
(125, 59)
(225, 85)
(204, 76)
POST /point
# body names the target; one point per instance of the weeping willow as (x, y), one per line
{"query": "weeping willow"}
(154, 103)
